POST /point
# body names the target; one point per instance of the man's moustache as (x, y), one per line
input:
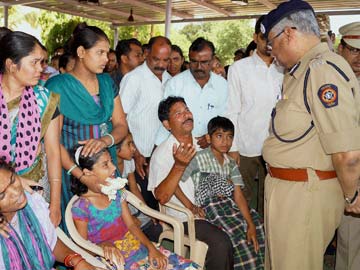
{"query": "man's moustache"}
(159, 68)
(189, 119)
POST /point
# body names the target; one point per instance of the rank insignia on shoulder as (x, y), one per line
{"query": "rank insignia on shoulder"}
(328, 94)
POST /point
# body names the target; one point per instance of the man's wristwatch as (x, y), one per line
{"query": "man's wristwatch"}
(352, 200)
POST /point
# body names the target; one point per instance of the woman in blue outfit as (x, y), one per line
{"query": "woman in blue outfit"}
(91, 111)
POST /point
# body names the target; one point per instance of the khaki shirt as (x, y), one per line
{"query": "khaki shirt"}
(334, 103)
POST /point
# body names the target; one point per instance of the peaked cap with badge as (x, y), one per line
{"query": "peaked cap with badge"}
(351, 34)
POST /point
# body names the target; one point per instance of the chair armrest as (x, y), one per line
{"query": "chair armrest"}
(70, 244)
(178, 227)
(190, 219)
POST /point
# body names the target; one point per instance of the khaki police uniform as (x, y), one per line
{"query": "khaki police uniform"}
(348, 235)
(318, 115)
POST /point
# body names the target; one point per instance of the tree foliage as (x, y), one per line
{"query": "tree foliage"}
(227, 36)
(58, 27)
(59, 34)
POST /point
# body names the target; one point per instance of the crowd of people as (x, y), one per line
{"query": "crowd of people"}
(264, 152)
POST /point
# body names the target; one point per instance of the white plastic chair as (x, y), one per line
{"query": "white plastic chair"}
(177, 227)
(68, 242)
(198, 249)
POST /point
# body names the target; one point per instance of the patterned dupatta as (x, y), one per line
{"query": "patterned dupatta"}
(28, 130)
(31, 250)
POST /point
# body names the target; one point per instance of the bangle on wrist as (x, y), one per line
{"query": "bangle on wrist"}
(79, 261)
(68, 259)
(350, 201)
(71, 169)
(112, 139)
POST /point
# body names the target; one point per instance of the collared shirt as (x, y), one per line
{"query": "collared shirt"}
(254, 89)
(204, 103)
(140, 94)
(205, 161)
(334, 104)
(161, 163)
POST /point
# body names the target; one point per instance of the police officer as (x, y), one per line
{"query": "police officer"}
(348, 235)
(313, 150)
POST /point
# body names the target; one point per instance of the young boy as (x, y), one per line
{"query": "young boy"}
(218, 183)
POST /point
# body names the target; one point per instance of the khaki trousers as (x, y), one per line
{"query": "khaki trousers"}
(348, 243)
(300, 221)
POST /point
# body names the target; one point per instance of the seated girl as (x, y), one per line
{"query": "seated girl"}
(28, 239)
(110, 224)
(125, 151)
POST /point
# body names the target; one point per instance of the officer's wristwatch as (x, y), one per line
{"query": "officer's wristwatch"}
(352, 200)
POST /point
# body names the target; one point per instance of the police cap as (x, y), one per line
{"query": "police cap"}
(283, 10)
(351, 34)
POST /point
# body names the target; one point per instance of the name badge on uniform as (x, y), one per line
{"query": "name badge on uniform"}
(328, 94)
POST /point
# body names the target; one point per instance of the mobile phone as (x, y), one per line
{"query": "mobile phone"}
(36, 188)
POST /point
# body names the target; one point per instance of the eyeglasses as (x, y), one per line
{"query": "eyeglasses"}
(269, 43)
(352, 50)
(201, 63)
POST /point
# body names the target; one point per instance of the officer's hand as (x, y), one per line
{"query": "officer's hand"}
(354, 207)
(183, 154)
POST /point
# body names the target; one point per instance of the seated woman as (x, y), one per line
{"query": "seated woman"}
(110, 224)
(28, 238)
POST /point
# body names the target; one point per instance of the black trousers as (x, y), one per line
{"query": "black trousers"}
(220, 252)
(147, 195)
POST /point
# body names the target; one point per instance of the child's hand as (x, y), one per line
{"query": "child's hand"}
(157, 259)
(113, 254)
(251, 236)
(197, 211)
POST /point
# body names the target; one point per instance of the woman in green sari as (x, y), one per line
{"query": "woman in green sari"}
(91, 111)
(29, 122)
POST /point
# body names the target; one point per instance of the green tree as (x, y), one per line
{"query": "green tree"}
(230, 36)
(59, 34)
(143, 32)
(58, 27)
(227, 36)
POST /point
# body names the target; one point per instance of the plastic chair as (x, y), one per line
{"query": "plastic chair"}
(198, 249)
(68, 242)
(177, 226)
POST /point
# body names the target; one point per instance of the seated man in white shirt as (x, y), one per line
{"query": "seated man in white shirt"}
(167, 165)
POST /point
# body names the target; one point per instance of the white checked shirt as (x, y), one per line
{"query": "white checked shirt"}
(254, 89)
(140, 93)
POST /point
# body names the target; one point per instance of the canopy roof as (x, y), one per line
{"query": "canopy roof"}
(154, 11)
